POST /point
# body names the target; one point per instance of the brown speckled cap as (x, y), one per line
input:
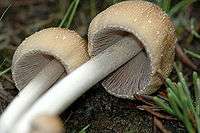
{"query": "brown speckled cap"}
(153, 28)
(39, 49)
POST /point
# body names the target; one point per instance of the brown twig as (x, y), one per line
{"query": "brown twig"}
(154, 113)
(145, 99)
(154, 128)
(184, 58)
(163, 93)
(153, 108)
(69, 116)
(159, 125)
(8, 79)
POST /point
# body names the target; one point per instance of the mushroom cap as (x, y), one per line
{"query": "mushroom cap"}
(47, 124)
(36, 51)
(146, 22)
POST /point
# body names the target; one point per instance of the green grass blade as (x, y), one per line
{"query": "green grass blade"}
(186, 89)
(182, 93)
(175, 107)
(166, 5)
(192, 54)
(190, 109)
(184, 84)
(72, 14)
(196, 82)
(84, 129)
(64, 20)
(181, 102)
(193, 28)
(164, 105)
(170, 83)
(175, 98)
(180, 6)
(5, 12)
(5, 71)
(172, 86)
(182, 80)
(93, 8)
(182, 108)
(188, 125)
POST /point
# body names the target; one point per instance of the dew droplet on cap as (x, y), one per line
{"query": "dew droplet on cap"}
(149, 21)
(64, 37)
(135, 20)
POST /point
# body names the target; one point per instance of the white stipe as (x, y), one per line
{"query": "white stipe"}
(43, 81)
(66, 91)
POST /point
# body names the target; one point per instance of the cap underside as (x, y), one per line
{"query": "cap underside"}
(131, 77)
(153, 28)
(51, 44)
(29, 66)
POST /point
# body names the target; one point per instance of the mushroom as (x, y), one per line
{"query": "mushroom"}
(39, 61)
(47, 124)
(131, 42)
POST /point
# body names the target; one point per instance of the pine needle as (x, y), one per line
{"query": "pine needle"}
(192, 54)
(5, 71)
(5, 12)
(69, 15)
(180, 103)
